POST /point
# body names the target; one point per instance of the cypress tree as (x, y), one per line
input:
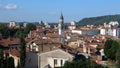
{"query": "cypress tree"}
(1, 58)
(10, 62)
(22, 51)
(18, 65)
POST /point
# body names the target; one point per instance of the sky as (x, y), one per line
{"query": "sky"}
(50, 10)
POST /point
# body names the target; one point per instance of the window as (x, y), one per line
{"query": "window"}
(55, 62)
(61, 62)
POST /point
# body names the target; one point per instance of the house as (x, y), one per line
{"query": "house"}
(14, 53)
(72, 25)
(10, 43)
(12, 24)
(90, 31)
(75, 43)
(11, 47)
(110, 31)
(55, 58)
(43, 45)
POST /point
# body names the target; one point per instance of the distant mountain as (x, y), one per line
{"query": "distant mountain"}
(99, 20)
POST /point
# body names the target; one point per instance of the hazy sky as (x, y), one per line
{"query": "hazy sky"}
(50, 10)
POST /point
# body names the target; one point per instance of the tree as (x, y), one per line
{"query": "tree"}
(13, 31)
(29, 27)
(118, 57)
(113, 50)
(1, 58)
(107, 47)
(2, 26)
(110, 49)
(79, 57)
(10, 62)
(17, 34)
(18, 65)
(22, 51)
(4, 30)
(98, 20)
(82, 64)
(6, 63)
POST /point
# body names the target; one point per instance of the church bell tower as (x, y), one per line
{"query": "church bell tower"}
(61, 28)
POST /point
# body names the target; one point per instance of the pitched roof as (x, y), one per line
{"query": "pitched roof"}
(15, 51)
(57, 50)
(9, 41)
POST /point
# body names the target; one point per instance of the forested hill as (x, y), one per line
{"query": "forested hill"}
(99, 20)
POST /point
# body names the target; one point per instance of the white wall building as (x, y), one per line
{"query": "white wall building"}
(103, 31)
(16, 60)
(110, 31)
(89, 31)
(12, 24)
(25, 24)
(34, 47)
(55, 58)
(72, 25)
(77, 31)
(113, 24)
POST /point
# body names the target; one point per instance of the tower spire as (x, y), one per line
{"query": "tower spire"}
(61, 28)
(61, 17)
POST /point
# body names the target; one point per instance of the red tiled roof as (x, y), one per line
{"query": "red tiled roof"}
(15, 52)
(52, 35)
(9, 41)
(47, 41)
(35, 31)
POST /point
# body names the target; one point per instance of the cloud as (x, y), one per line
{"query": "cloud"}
(11, 6)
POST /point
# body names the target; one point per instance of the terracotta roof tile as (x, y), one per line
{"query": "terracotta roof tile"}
(52, 35)
(9, 41)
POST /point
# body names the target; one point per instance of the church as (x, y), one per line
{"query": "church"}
(61, 28)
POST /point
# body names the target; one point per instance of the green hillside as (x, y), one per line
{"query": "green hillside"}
(99, 20)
